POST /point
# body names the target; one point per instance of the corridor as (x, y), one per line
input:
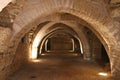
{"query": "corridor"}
(60, 67)
(85, 33)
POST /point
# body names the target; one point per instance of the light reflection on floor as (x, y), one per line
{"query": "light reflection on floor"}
(60, 67)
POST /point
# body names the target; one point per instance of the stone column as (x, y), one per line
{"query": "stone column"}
(115, 62)
(87, 53)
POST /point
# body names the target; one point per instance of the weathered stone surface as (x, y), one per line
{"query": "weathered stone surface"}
(5, 34)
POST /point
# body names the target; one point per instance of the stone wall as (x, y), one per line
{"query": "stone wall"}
(21, 55)
(5, 34)
(9, 63)
(96, 46)
(60, 42)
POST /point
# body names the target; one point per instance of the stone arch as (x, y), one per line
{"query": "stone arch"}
(58, 31)
(92, 13)
(78, 30)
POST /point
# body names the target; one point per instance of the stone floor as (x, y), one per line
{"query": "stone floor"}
(60, 67)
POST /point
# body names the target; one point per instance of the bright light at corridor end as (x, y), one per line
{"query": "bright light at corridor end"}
(102, 74)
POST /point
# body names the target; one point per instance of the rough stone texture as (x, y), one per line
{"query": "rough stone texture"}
(20, 56)
(115, 10)
(9, 13)
(5, 19)
(115, 1)
(5, 35)
(10, 63)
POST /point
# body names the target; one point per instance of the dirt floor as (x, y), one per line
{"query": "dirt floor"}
(60, 67)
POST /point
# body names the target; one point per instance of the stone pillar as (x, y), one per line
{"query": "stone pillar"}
(115, 62)
(46, 45)
(87, 53)
(73, 46)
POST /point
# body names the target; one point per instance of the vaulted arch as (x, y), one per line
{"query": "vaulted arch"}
(50, 27)
(93, 13)
(60, 31)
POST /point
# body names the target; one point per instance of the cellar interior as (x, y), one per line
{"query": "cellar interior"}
(59, 40)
